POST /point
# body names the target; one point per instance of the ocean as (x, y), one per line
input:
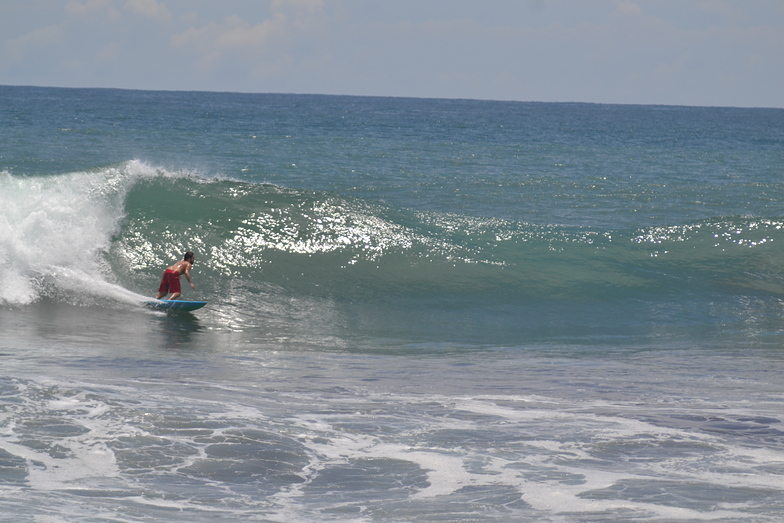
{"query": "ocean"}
(419, 310)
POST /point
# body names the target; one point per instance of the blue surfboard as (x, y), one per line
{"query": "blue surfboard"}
(175, 305)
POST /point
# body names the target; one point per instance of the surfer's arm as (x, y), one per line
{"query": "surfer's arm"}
(188, 277)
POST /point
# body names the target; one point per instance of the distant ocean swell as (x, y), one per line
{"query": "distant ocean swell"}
(115, 228)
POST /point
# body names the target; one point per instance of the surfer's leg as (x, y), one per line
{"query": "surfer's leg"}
(163, 288)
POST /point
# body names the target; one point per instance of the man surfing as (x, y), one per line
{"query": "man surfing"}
(171, 277)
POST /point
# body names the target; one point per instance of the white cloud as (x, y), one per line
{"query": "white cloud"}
(75, 7)
(716, 6)
(311, 6)
(287, 17)
(628, 8)
(93, 8)
(149, 8)
(257, 46)
(233, 32)
(44, 37)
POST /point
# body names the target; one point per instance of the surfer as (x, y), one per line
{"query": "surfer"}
(171, 277)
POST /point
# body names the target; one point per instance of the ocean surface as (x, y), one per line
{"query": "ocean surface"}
(419, 310)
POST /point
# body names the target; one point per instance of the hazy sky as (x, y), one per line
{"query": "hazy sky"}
(689, 52)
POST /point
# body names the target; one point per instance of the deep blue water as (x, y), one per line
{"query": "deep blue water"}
(419, 310)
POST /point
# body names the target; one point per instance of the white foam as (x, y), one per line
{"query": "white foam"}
(554, 475)
(88, 456)
(56, 229)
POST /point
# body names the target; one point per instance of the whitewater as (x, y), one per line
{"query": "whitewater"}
(418, 310)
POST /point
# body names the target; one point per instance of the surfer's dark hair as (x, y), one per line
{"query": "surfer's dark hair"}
(188, 254)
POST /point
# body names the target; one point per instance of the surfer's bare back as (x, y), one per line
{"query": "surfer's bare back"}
(171, 277)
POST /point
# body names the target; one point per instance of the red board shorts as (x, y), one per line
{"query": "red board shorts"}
(170, 282)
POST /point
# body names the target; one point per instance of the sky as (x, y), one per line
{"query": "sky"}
(672, 52)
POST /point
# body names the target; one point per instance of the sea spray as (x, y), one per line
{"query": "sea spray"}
(57, 229)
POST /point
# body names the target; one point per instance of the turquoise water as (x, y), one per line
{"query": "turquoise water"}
(419, 310)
